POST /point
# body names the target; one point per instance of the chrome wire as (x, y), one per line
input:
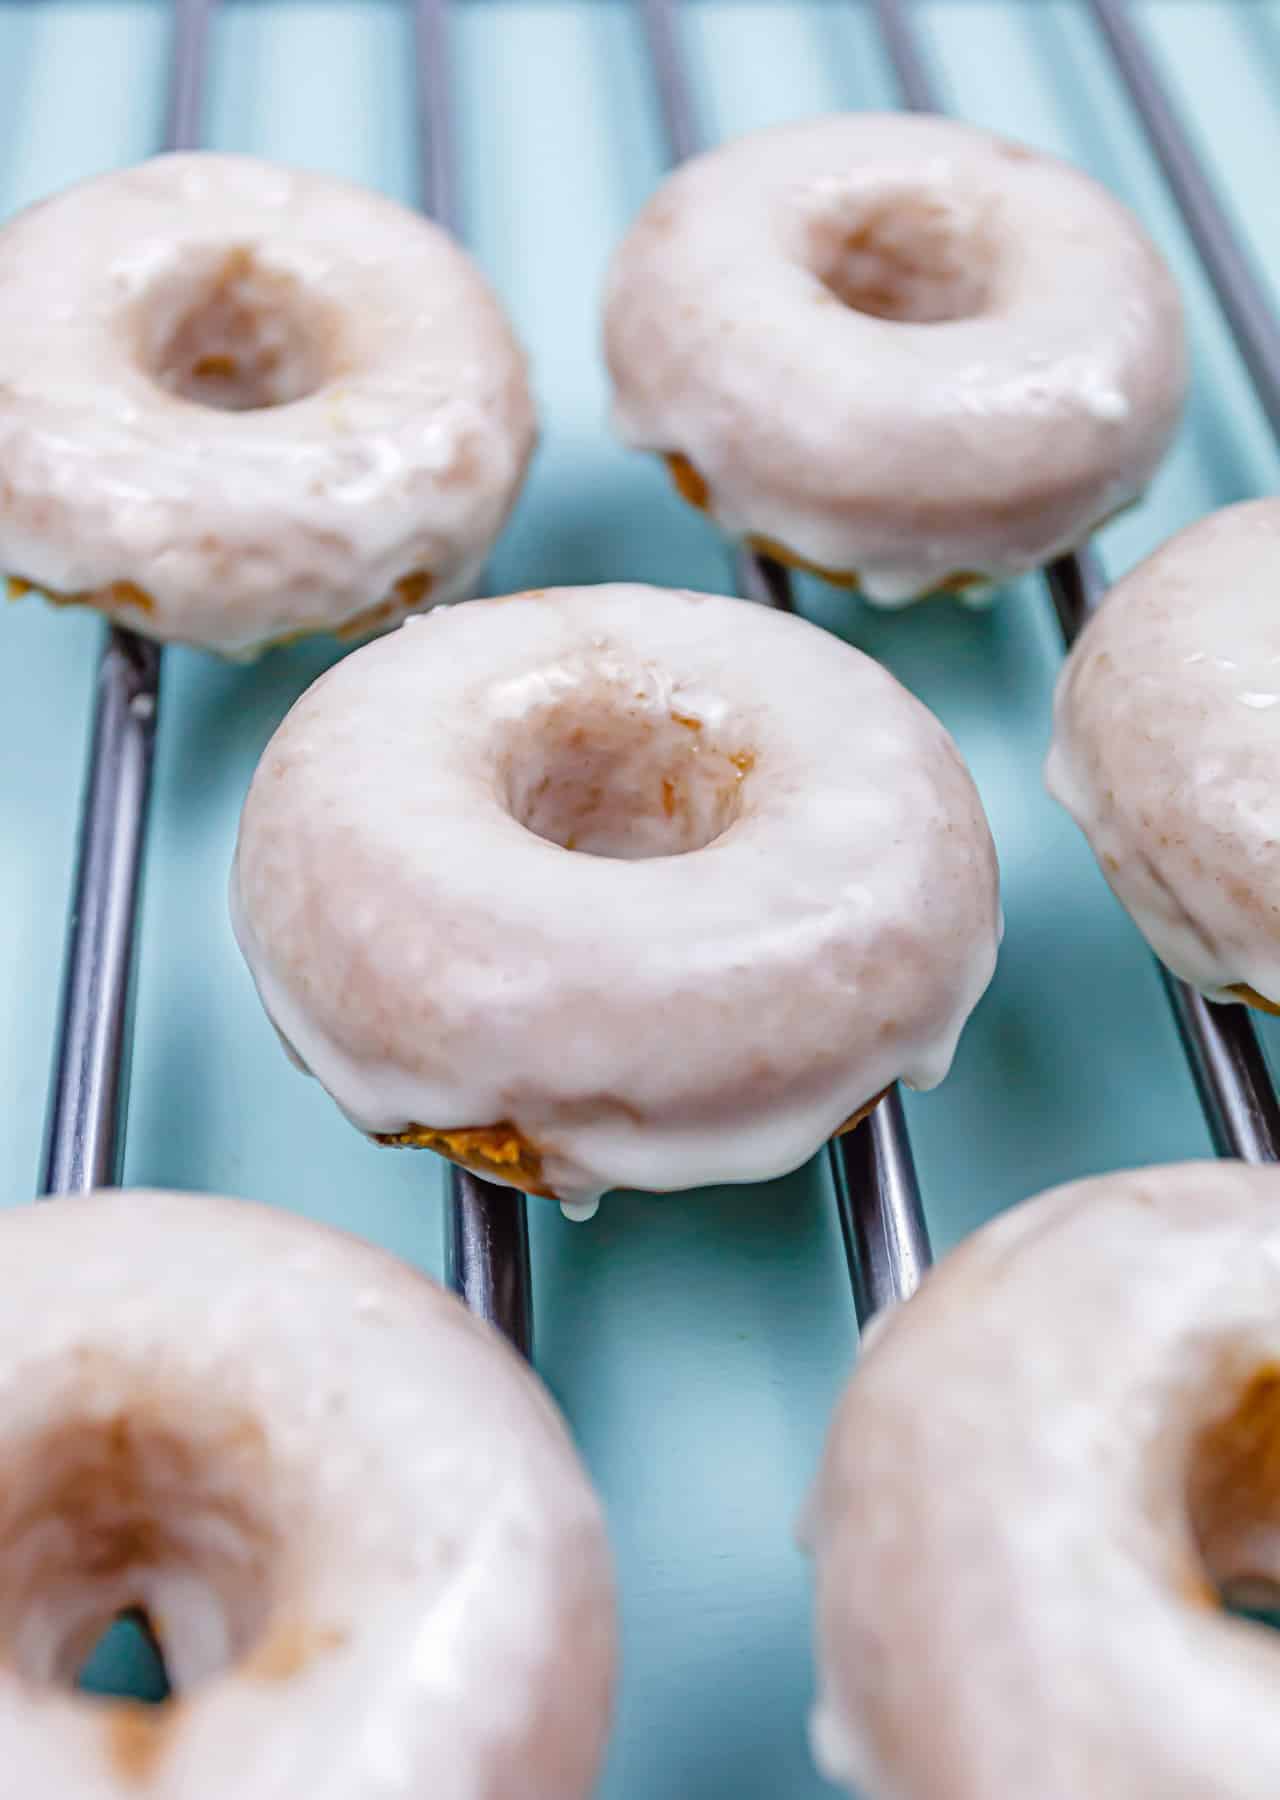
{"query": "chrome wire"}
(1241, 291)
(877, 1190)
(486, 1231)
(84, 1137)
(1221, 1045)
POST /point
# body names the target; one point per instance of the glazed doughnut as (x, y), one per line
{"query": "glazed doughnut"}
(1048, 1469)
(895, 350)
(239, 403)
(369, 1554)
(614, 887)
(1164, 750)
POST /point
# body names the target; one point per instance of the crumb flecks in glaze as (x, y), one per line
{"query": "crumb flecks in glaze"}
(499, 1151)
(901, 447)
(595, 759)
(231, 329)
(650, 1019)
(263, 522)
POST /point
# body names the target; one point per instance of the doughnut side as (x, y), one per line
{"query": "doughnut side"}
(1162, 751)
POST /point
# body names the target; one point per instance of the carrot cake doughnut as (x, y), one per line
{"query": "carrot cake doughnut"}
(240, 403)
(1049, 1470)
(1164, 750)
(367, 1550)
(614, 887)
(895, 350)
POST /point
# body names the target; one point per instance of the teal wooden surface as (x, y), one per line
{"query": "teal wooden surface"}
(696, 1343)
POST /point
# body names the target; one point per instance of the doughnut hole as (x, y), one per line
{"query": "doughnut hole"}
(1233, 1497)
(904, 253)
(229, 331)
(613, 765)
(135, 1513)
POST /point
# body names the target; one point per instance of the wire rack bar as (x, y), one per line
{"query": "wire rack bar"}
(1227, 1065)
(882, 1219)
(486, 1236)
(906, 56)
(84, 1142)
(191, 22)
(1240, 288)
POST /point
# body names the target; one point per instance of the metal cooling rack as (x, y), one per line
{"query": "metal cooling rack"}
(487, 1242)
(878, 1195)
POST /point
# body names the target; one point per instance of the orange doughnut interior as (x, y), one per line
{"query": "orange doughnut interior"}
(406, 594)
(1252, 997)
(692, 486)
(863, 1112)
(504, 1151)
(117, 593)
(410, 591)
(501, 1150)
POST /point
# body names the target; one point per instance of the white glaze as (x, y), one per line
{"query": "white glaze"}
(1166, 739)
(907, 449)
(1021, 1518)
(338, 1459)
(245, 527)
(657, 1023)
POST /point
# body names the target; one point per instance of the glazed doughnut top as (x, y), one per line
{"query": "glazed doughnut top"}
(1167, 744)
(1048, 1469)
(897, 346)
(368, 1551)
(668, 884)
(240, 402)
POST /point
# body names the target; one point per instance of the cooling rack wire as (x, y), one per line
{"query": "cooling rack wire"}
(878, 1195)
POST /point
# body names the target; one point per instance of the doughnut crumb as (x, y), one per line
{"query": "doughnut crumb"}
(688, 483)
(957, 583)
(1252, 997)
(116, 593)
(863, 1112)
(501, 1150)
